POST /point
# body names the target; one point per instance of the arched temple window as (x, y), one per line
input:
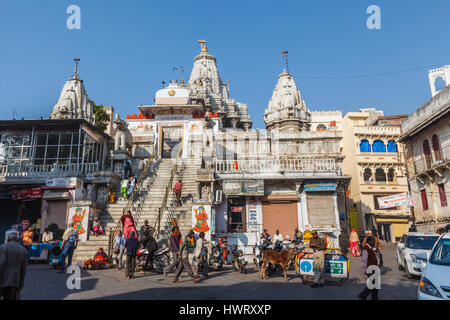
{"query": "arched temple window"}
(378, 146)
(367, 174)
(364, 146)
(380, 175)
(436, 148)
(427, 153)
(391, 175)
(392, 146)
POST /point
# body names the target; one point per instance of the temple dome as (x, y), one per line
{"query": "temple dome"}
(172, 95)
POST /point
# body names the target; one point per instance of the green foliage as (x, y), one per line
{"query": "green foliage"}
(101, 117)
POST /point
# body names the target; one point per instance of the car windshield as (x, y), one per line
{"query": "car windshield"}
(421, 242)
(441, 253)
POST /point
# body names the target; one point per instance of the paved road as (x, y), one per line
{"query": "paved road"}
(45, 283)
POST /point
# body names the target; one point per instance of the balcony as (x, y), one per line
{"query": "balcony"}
(56, 170)
(433, 161)
(299, 165)
(377, 130)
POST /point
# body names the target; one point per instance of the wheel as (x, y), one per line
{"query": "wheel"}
(408, 275)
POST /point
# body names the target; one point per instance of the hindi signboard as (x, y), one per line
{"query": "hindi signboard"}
(393, 201)
(247, 187)
(320, 185)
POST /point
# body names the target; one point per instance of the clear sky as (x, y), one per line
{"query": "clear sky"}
(128, 47)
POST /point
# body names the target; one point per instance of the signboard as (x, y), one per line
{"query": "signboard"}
(80, 217)
(26, 194)
(61, 182)
(320, 185)
(201, 219)
(402, 199)
(335, 265)
(254, 216)
(247, 187)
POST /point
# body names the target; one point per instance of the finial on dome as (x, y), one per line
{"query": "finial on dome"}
(76, 67)
(203, 45)
(285, 55)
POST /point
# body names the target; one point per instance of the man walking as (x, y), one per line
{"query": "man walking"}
(14, 228)
(131, 245)
(27, 239)
(200, 254)
(13, 265)
(369, 258)
(177, 191)
(318, 245)
(377, 247)
(174, 247)
(144, 233)
(119, 249)
(184, 261)
(68, 246)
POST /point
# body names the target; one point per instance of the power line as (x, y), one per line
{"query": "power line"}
(372, 74)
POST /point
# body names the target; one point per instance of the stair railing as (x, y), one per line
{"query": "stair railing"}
(166, 195)
(130, 202)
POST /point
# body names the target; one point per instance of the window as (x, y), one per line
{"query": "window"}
(379, 146)
(427, 153)
(380, 176)
(423, 196)
(364, 146)
(368, 175)
(392, 146)
(442, 195)
(436, 148)
(391, 175)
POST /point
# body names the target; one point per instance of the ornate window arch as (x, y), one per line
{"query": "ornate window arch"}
(378, 146)
(364, 146)
(380, 175)
(392, 146)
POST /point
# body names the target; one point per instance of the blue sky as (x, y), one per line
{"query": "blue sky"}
(128, 47)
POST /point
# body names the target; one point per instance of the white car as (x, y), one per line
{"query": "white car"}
(409, 247)
(435, 280)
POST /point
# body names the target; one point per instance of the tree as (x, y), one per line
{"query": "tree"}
(101, 117)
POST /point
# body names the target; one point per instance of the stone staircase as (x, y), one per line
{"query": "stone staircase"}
(147, 203)
(145, 207)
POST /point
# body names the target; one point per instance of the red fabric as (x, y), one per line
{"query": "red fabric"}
(178, 186)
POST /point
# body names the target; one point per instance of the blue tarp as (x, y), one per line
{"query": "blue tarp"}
(392, 147)
(364, 146)
(379, 146)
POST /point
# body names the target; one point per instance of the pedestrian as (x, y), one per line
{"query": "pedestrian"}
(131, 245)
(68, 246)
(177, 191)
(265, 236)
(412, 228)
(183, 263)
(144, 232)
(151, 246)
(27, 239)
(127, 168)
(277, 237)
(131, 185)
(174, 246)
(47, 236)
(318, 245)
(369, 258)
(119, 248)
(13, 266)
(14, 228)
(200, 255)
(354, 243)
(377, 246)
(128, 224)
(124, 188)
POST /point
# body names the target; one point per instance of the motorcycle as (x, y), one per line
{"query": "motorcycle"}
(258, 250)
(216, 259)
(55, 257)
(160, 260)
(238, 259)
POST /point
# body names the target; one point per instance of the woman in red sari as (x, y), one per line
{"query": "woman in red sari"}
(354, 243)
(128, 224)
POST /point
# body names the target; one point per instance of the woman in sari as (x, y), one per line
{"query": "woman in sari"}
(128, 224)
(354, 243)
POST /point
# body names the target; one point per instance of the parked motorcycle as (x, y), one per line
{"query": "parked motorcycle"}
(258, 250)
(216, 258)
(238, 259)
(55, 257)
(160, 260)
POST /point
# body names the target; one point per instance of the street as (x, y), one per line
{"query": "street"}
(45, 283)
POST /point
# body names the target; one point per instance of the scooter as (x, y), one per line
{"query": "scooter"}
(238, 259)
(216, 258)
(55, 257)
(160, 260)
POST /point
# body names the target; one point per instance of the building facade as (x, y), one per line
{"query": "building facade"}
(426, 135)
(375, 161)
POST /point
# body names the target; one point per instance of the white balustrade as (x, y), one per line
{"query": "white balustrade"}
(48, 170)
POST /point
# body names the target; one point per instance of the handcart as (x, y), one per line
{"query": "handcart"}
(336, 267)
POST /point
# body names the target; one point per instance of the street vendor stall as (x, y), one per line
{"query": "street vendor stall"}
(336, 268)
(40, 251)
